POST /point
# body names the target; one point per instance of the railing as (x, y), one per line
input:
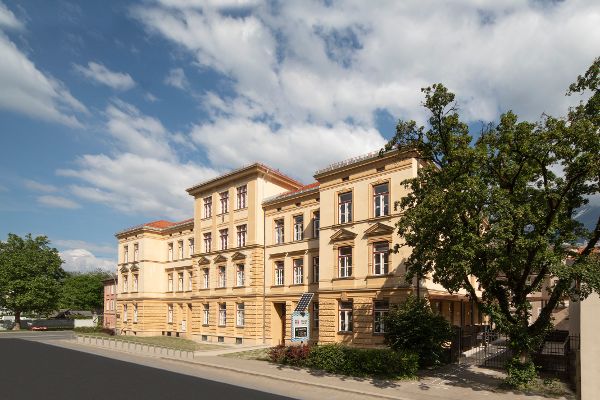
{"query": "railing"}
(135, 347)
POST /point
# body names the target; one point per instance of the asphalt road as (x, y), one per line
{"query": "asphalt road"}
(34, 370)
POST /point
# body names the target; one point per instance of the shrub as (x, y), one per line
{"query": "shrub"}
(289, 355)
(412, 326)
(86, 329)
(520, 374)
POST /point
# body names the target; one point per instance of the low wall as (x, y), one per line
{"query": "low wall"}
(84, 323)
(114, 343)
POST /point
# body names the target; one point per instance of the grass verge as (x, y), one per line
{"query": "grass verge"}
(164, 341)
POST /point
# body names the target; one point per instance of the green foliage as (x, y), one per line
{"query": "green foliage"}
(413, 326)
(520, 375)
(83, 291)
(340, 359)
(30, 275)
(501, 207)
(96, 329)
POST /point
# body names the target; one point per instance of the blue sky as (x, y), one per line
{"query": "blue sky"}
(109, 110)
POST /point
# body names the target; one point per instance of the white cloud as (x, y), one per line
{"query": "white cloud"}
(100, 74)
(82, 260)
(150, 97)
(297, 150)
(39, 187)
(327, 63)
(57, 202)
(71, 244)
(27, 90)
(177, 79)
(8, 19)
(137, 133)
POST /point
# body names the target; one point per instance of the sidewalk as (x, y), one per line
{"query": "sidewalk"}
(455, 382)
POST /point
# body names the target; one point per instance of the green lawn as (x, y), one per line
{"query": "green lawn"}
(165, 341)
(258, 354)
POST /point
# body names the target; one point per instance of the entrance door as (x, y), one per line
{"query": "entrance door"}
(278, 324)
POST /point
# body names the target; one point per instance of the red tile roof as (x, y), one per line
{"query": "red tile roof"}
(159, 225)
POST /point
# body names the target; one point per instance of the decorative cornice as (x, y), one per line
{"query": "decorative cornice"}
(342, 234)
(238, 256)
(379, 229)
(220, 258)
(203, 261)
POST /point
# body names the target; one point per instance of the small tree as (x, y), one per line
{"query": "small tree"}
(30, 275)
(83, 291)
(413, 327)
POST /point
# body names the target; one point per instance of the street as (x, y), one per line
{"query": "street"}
(34, 370)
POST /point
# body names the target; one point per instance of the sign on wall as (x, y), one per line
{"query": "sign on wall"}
(300, 326)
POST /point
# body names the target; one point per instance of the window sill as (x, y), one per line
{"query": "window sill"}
(345, 332)
(343, 278)
(221, 326)
(298, 284)
(239, 286)
(277, 286)
(241, 208)
(205, 325)
(388, 275)
(221, 287)
(239, 326)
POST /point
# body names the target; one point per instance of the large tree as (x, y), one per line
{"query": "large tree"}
(502, 207)
(30, 275)
(83, 291)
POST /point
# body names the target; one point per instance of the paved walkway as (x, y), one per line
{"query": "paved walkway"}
(455, 382)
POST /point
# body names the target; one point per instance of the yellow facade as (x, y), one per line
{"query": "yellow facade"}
(259, 240)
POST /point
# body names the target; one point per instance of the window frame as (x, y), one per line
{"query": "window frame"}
(207, 242)
(205, 314)
(345, 208)
(315, 269)
(381, 259)
(316, 224)
(240, 278)
(298, 271)
(379, 313)
(279, 230)
(315, 309)
(381, 201)
(345, 316)
(207, 207)
(242, 232)
(180, 282)
(205, 278)
(298, 227)
(345, 262)
(169, 313)
(224, 238)
(241, 197)
(222, 314)
(240, 312)
(224, 202)
(222, 276)
(135, 313)
(279, 274)
(170, 286)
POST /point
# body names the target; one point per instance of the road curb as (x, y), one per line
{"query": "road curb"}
(280, 378)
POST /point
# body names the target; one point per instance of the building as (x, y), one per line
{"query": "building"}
(110, 303)
(259, 240)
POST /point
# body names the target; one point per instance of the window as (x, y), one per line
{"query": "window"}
(239, 275)
(298, 271)
(207, 242)
(223, 235)
(345, 316)
(241, 235)
(241, 197)
(190, 280)
(207, 207)
(135, 313)
(345, 207)
(381, 200)
(180, 249)
(224, 197)
(135, 283)
(205, 314)
(170, 283)
(279, 231)
(278, 273)
(124, 312)
(316, 315)
(125, 283)
(316, 224)
(380, 258)
(239, 315)
(136, 252)
(170, 252)
(125, 254)
(315, 269)
(170, 314)
(222, 314)
(380, 310)
(345, 261)
(205, 280)
(298, 227)
(222, 277)
(191, 246)
(112, 305)
(180, 281)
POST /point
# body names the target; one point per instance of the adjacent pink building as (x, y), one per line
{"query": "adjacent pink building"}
(110, 300)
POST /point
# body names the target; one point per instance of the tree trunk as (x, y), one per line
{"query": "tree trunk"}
(17, 321)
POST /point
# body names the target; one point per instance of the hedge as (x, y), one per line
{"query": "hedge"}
(340, 359)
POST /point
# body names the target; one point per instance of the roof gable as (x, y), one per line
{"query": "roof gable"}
(342, 234)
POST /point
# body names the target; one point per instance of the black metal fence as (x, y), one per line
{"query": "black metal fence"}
(490, 349)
